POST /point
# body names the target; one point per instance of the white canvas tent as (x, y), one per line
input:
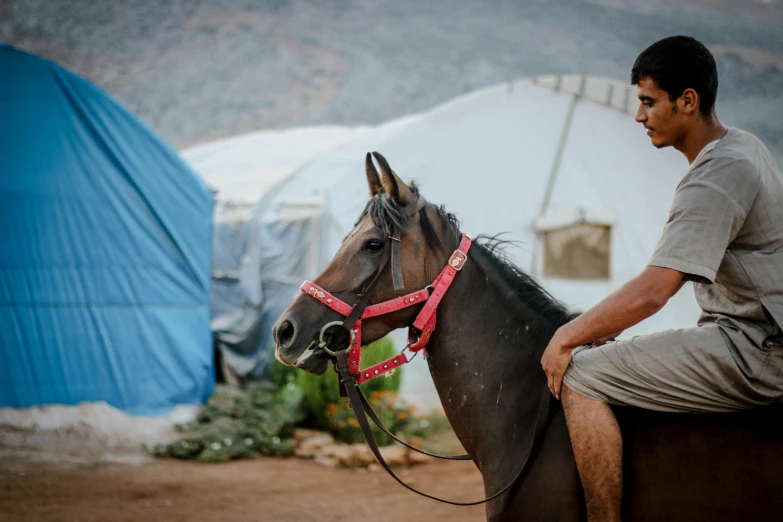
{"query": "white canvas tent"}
(241, 170)
(244, 168)
(247, 172)
(523, 158)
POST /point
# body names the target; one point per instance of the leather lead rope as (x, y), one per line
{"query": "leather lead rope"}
(348, 381)
(371, 413)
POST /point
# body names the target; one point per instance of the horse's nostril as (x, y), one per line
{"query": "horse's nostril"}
(284, 334)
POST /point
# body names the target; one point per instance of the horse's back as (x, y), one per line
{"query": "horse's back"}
(724, 467)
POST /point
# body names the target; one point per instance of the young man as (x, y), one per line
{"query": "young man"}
(725, 233)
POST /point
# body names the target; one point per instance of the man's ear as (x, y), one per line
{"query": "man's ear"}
(689, 101)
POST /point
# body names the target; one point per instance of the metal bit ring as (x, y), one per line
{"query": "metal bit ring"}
(322, 344)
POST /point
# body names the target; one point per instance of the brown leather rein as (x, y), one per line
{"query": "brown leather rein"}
(349, 385)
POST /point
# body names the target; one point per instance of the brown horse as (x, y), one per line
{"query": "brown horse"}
(493, 325)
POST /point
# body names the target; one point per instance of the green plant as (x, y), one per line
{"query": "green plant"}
(239, 423)
(321, 390)
(397, 418)
(400, 418)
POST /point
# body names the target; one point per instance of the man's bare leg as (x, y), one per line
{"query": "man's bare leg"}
(598, 449)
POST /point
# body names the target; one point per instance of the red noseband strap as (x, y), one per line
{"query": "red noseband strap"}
(419, 333)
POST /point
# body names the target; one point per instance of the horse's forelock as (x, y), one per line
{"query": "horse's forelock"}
(386, 214)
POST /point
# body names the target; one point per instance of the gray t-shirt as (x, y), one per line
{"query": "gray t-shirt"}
(725, 230)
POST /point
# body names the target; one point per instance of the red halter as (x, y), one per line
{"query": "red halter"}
(424, 323)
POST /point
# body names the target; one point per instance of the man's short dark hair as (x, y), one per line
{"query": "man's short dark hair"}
(678, 63)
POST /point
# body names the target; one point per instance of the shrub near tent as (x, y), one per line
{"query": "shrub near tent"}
(239, 423)
(259, 418)
(322, 400)
(322, 390)
(398, 417)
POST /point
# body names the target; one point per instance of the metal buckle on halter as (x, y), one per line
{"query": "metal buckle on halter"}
(322, 344)
(457, 260)
(413, 354)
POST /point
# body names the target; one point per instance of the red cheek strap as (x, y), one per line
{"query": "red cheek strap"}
(419, 333)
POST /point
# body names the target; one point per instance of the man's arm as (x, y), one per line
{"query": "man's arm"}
(630, 304)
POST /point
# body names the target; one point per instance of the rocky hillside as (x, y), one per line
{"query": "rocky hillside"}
(197, 70)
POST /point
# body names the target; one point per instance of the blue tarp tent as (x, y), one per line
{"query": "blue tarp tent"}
(105, 238)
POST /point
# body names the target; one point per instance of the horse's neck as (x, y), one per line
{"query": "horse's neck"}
(485, 361)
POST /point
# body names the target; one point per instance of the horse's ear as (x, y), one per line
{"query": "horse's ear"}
(394, 187)
(373, 180)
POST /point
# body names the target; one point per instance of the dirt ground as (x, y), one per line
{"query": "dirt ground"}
(265, 489)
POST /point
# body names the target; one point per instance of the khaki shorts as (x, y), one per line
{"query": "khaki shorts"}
(699, 370)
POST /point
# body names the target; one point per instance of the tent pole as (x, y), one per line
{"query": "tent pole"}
(556, 164)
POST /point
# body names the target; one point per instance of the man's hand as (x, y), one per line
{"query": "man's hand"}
(633, 302)
(557, 357)
(555, 361)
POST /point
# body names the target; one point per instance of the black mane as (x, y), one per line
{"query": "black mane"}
(522, 287)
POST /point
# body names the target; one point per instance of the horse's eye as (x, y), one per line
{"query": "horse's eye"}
(373, 245)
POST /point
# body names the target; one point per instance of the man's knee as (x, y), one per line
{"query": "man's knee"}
(577, 406)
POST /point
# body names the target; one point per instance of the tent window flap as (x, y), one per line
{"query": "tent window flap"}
(578, 251)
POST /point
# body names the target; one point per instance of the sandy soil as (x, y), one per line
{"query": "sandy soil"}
(265, 489)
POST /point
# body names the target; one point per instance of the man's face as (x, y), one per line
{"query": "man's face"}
(659, 115)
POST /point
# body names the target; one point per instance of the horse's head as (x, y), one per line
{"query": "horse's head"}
(395, 212)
